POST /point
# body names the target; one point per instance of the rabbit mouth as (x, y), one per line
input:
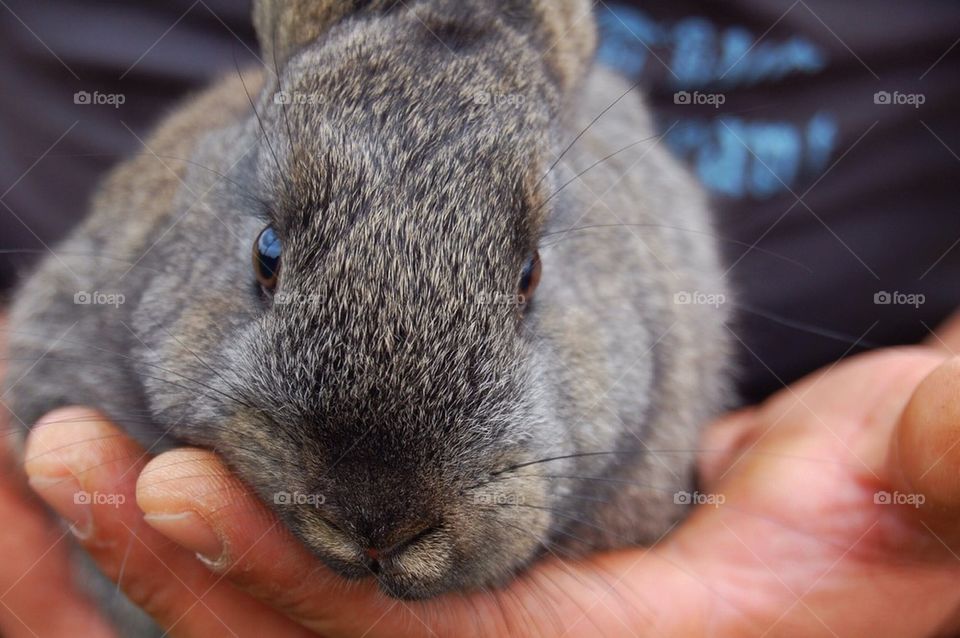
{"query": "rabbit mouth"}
(417, 568)
(426, 564)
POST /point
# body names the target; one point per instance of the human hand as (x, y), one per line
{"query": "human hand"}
(34, 570)
(799, 545)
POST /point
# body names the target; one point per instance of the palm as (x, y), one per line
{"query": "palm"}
(800, 529)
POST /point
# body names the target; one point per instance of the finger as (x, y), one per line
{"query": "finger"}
(600, 595)
(947, 336)
(924, 463)
(865, 395)
(256, 551)
(86, 469)
(723, 442)
(35, 572)
(925, 454)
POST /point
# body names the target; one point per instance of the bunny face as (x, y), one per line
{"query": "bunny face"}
(393, 369)
(386, 385)
(331, 277)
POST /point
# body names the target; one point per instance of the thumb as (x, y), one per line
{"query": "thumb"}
(925, 450)
(947, 336)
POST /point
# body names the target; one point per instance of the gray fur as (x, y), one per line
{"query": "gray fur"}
(383, 377)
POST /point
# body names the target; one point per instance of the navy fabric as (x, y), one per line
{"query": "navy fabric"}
(828, 134)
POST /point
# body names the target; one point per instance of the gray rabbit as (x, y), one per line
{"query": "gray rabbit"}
(428, 282)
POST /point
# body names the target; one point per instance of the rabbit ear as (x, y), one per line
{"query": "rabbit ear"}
(567, 34)
(284, 26)
(564, 29)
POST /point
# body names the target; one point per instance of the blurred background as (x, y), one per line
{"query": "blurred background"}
(826, 131)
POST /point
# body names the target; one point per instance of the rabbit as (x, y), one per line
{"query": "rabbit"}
(427, 281)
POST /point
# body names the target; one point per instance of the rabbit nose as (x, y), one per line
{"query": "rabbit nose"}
(378, 551)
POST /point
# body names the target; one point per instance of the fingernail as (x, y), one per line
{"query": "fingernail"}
(191, 531)
(64, 495)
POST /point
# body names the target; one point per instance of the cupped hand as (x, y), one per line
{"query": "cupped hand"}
(832, 509)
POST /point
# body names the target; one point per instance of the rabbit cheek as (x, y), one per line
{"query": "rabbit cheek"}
(428, 561)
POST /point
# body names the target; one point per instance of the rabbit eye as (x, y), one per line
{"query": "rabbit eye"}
(530, 277)
(266, 258)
